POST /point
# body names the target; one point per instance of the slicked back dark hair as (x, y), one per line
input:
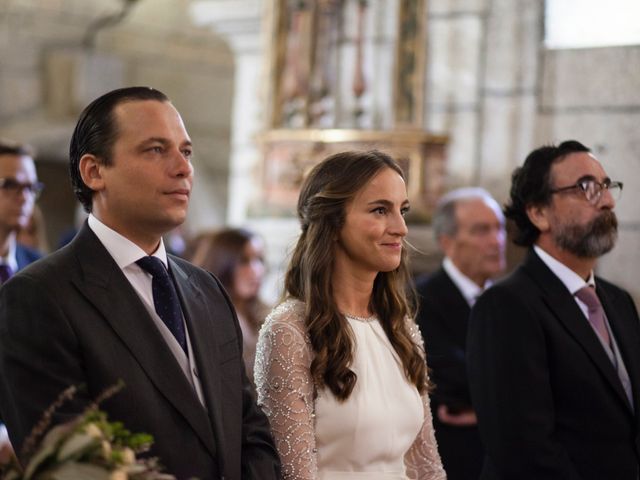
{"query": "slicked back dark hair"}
(531, 186)
(97, 131)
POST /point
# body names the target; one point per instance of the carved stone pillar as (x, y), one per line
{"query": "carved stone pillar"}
(239, 23)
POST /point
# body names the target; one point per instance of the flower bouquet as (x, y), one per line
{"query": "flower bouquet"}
(89, 447)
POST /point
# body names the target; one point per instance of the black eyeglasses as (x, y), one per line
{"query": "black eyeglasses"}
(12, 186)
(593, 189)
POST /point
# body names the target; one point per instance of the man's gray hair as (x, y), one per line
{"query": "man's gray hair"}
(444, 218)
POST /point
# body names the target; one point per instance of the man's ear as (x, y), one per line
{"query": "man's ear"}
(539, 216)
(91, 172)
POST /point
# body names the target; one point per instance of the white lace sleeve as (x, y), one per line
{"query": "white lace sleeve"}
(422, 460)
(285, 389)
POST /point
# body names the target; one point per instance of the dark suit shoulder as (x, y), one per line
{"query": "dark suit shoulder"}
(54, 266)
(518, 284)
(438, 288)
(611, 288)
(430, 281)
(437, 292)
(511, 296)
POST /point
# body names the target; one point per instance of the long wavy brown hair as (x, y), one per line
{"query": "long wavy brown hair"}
(326, 191)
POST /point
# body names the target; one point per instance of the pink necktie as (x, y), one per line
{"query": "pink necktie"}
(587, 295)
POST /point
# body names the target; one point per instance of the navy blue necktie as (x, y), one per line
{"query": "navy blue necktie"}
(165, 298)
(5, 273)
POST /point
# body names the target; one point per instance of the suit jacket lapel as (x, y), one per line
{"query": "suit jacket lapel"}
(563, 306)
(204, 345)
(456, 306)
(105, 286)
(623, 334)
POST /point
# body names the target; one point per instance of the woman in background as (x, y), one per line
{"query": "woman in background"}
(340, 368)
(236, 257)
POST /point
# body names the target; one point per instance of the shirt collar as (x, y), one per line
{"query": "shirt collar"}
(568, 277)
(123, 250)
(469, 289)
(11, 259)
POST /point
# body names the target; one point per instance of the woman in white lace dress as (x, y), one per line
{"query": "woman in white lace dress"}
(340, 368)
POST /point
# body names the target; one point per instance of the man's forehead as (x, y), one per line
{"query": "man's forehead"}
(20, 167)
(477, 209)
(149, 118)
(14, 162)
(577, 165)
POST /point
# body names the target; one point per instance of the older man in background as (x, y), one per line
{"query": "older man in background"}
(469, 227)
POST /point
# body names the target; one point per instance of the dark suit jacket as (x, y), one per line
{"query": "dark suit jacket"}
(549, 402)
(26, 256)
(73, 318)
(443, 317)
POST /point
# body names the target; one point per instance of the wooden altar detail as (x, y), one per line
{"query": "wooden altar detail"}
(290, 154)
(316, 102)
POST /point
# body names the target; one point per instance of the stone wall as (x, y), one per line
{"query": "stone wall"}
(47, 77)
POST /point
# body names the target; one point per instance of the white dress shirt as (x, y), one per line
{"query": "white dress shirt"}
(10, 258)
(469, 289)
(126, 253)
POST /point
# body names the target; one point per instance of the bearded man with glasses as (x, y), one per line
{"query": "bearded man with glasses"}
(553, 350)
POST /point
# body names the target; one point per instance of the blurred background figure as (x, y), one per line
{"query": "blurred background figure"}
(469, 228)
(79, 217)
(236, 257)
(34, 234)
(19, 188)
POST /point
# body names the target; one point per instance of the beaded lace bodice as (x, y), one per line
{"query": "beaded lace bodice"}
(298, 414)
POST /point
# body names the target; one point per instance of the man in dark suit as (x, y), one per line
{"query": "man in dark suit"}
(112, 305)
(553, 356)
(469, 227)
(19, 188)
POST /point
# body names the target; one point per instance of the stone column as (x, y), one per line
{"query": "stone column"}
(239, 23)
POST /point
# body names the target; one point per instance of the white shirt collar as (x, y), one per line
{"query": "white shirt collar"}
(568, 277)
(10, 259)
(123, 250)
(469, 289)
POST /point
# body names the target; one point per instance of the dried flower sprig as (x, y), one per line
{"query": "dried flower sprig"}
(41, 427)
(88, 447)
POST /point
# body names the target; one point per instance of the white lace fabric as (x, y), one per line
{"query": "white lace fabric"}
(338, 443)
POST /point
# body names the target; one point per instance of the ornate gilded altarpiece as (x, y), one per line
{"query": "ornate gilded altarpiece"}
(325, 93)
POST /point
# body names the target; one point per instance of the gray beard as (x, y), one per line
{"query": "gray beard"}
(591, 240)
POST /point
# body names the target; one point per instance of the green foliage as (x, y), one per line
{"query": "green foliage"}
(89, 447)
